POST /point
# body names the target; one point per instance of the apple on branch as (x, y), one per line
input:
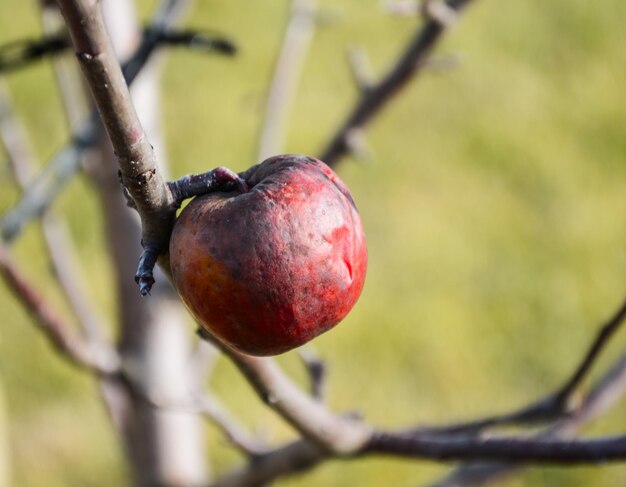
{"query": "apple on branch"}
(267, 259)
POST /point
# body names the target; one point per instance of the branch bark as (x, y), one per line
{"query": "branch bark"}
(166, 447)
(138, 165)
(216, 413)
(520, 450)
(288, 459)
(301, 454)
(337, 434)
(605, 394)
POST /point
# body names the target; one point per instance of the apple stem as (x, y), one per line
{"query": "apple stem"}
(218, 179)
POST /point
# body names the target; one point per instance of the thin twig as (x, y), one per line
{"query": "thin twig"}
(371, 101)
(360, 68)
(43, 190)
(48, 183)
(212, 408)
(23, 52)
(316, 370)
(337, 434)
(58, 242)
(69, 83)
(101, 360)
(605, 395)
(289, 66)
(291, 458)
(554, 404)
(203, 360)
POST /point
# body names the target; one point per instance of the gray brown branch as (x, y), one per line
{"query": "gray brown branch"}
(101, 360)
(606, 393)
(316, 369)
(337, 434)
(378, 95)
(555, 404)
(512, 449)
(291, 458)
(130, 143)
(45, 187)
(301, 455)
(59, 245)
(212, 409)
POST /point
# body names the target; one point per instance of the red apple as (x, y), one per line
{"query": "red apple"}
(267, 270)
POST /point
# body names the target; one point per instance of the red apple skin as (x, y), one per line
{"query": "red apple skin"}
(267, 270)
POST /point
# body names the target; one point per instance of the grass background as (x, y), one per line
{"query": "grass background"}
(494, 213)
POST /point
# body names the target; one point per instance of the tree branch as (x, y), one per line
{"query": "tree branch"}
(110, 91)
(521, 450)
(297, 456)
(100, 359)
(301, 454)
(554, 404)
(212, 409)
(51, 180)
(316, 369)
(408, 65)
(58, 243)
(289, 65)
(606, 394)
(335, 434)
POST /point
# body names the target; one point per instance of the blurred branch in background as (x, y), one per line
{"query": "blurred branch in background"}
(21, 53)
(100, 360)
(289, 65)
(316, 369)
(556, 404)
(295, 457)
(68, 80)
(59, 245)
(606, 393)
(44, 188)
(212, 408)
(439, 16)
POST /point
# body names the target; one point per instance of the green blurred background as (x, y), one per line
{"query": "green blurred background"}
(495, 214)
